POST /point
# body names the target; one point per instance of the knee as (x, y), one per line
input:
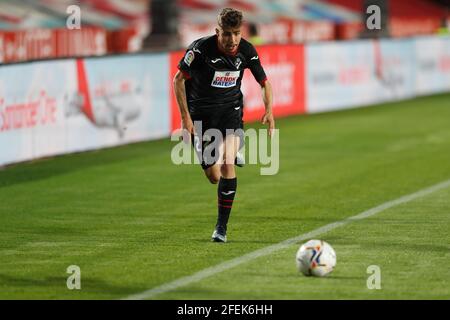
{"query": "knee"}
(213, 178)
(227, 170)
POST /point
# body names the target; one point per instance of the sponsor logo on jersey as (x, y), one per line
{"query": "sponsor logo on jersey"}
(189, 57)
(225, 79)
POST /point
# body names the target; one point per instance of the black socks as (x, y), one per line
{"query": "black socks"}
(225, 193)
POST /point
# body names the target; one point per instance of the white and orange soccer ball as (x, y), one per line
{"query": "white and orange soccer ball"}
(315, 258)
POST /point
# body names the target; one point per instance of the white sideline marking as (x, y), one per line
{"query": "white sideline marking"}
(205, 273)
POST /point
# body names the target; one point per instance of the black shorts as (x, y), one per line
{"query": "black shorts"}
(222, 119)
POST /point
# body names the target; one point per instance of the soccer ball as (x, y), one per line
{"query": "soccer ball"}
(315, 258)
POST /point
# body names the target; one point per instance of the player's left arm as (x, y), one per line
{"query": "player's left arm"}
(260, 76)
(268, 118)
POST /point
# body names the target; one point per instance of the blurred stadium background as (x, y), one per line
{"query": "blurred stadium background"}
(36, 29)
(118, 212)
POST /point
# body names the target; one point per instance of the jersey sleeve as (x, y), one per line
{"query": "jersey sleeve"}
(190, 60)
(254, 64)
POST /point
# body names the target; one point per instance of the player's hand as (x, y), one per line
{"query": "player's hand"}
(268, 118)
(188, 129)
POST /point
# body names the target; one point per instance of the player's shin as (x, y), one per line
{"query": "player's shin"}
(225, 192)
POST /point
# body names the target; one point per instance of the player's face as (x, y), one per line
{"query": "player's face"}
(229, 38)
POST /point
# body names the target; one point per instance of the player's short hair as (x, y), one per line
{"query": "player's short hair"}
(229, 18)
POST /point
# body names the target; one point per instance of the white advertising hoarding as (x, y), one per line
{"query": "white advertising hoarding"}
(339, 75)
(343, 75)
(32, 121)
(57, 107)
(118, 100)
(433, 64)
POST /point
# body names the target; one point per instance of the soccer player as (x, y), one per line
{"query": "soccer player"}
(208, 89)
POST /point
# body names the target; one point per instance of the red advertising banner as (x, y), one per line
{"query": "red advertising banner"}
(349, 30)
(286, 31)
(284, 66)
(407, 27)
(125, 40)
(24, 45)
(88, 41)
(285, 70)
(398, 28)
(2, 51)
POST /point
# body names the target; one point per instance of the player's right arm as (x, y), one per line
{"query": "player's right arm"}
(180, 94)
(187, 65)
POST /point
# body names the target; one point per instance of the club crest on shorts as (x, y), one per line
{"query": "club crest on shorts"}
(225, 79)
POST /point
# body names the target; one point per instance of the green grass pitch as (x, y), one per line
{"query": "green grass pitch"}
(131, 220)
